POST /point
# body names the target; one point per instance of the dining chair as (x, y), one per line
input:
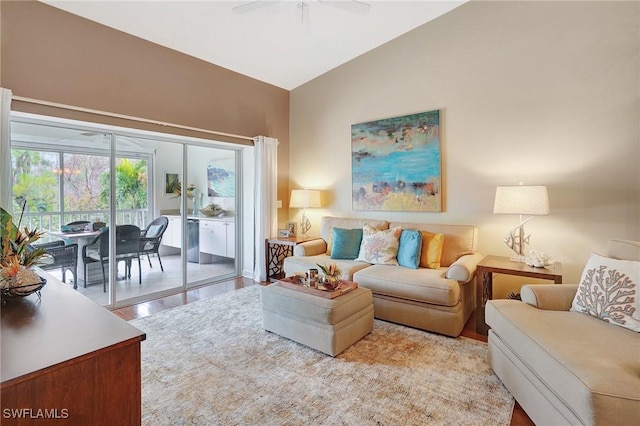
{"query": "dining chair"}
(151, 238)
(63, 256)
(127, 249)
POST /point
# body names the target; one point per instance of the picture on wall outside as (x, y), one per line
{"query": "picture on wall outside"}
(396, 163)
(221, 178)
(171, 182)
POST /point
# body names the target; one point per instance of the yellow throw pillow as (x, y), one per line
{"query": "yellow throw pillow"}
(330, 242)
(431, 250)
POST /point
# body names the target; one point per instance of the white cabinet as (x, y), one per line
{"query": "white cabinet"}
(217, 237)
(173, 235)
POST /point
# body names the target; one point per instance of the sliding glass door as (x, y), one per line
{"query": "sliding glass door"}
(143, 195)
(212, 211)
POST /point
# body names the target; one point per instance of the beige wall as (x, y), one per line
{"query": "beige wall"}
(52, 55)
(545, 93)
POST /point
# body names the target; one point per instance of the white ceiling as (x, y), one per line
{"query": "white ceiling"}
(268, 43)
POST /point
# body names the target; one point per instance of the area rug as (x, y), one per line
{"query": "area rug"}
(212, 363)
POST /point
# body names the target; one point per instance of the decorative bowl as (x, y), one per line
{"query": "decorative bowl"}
(17, 292)
(212, 210)
(330, 283)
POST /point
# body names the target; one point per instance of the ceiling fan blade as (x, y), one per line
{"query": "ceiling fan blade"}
(355, 6)
(253, 5)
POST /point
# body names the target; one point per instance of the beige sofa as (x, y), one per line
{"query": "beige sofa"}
(438, 300)
(564, 367)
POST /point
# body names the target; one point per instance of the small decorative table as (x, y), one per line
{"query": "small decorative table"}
(276, 249)
(502, 265)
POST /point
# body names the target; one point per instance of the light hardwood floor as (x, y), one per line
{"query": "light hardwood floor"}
(140, 310)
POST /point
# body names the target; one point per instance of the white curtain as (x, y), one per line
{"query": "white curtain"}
(265, 200)
(5, 150)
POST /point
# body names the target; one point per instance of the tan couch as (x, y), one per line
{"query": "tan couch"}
(438, 300)
(563, 367)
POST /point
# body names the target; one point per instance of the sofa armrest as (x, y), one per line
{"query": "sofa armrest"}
(310, 248)
(550, 297)
(463, 269)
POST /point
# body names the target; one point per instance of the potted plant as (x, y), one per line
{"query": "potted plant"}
(17, 258)
(190, 190)
(331, 278)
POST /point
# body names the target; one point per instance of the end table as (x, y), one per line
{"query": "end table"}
(502, 265)
(276, 249)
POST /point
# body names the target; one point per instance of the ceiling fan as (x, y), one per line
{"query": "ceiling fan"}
(355, 6)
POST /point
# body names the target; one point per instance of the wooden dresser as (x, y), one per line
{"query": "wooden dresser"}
(66, 360)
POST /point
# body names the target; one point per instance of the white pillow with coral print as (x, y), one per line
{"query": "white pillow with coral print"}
(379, 247)
(608, 290)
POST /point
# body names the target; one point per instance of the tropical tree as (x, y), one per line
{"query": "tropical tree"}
(34, 179)
(131, 184)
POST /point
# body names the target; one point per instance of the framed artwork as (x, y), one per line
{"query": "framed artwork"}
(283, 233)
(395, 163)
(291, 226)
(221, 178)
(170, 182)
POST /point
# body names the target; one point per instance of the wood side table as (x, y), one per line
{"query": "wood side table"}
(502, 265)
(276, 249)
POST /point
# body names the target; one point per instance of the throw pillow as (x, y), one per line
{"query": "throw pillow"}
(431, 250)
(345, 243)
(379, 247)
(330, 242)
(410, 248)
(608, 290)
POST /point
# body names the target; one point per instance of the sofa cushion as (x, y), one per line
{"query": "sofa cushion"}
(608, 290)
(458, 239)
(421, 285)
(330, 241)
(345, 243)
(410, 248)
(295, 264)
(379, 247)
(623, 249)
(431, 250)
(587, 363)
(328, 222)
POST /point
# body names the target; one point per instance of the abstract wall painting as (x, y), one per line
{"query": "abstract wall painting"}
(221, 178)
(396, 163)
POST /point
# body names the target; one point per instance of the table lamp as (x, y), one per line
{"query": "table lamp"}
(520, 200)
(304, 199)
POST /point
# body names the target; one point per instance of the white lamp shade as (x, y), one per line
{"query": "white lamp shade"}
(305, 198)
(521, 199)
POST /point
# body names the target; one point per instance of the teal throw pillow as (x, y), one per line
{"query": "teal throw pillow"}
(410, 248)
(345, 243)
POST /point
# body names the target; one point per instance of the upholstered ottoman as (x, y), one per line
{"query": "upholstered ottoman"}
(327, 325)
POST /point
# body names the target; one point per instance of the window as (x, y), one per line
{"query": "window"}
(63, 176)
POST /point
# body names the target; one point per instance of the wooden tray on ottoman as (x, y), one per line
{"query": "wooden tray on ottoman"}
(291, 283)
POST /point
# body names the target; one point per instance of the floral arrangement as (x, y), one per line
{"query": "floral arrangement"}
(330, 270)
(16, 255)
(191, 188)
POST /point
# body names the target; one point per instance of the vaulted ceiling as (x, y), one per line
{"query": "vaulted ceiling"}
(285, 43)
